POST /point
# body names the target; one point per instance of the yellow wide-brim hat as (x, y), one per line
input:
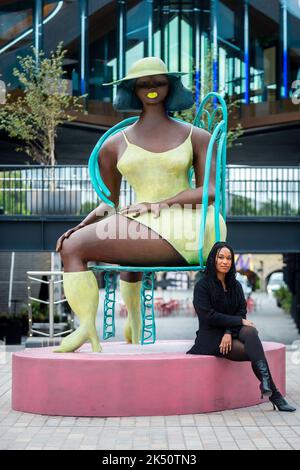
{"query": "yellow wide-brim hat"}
(145, 67)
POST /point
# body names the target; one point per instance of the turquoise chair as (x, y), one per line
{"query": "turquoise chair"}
(214, 120)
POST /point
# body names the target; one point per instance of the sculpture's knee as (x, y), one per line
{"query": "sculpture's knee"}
(71, 249)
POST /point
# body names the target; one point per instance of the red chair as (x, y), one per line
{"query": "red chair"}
(250, 304)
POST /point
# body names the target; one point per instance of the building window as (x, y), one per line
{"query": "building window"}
(293, 42)
(16, 37)
(64, 27)
(264, 27)
(231, 48)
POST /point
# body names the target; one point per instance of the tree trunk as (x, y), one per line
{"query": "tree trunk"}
(52, 159)
(52, 147)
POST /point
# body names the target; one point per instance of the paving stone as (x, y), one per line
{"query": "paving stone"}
(252, 428)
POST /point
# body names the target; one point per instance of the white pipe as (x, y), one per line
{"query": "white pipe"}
(11, 279)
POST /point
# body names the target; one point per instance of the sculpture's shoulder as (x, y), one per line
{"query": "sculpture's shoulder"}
(113, 142)
(200, 137)
(112, 147)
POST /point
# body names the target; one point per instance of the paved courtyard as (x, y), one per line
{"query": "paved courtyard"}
(257, 427)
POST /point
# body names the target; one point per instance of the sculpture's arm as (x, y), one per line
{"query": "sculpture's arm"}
(112, 179)
(200, 141)
(107, 160)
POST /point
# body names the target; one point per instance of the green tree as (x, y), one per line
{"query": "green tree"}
(34, 117)
(284, 298)
(241, 205)
(87, 207)
(276, 208)
(12, 193)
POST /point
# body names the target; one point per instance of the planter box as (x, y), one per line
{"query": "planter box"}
(11, 332)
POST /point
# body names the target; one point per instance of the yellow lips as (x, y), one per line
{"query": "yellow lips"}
(153, 94)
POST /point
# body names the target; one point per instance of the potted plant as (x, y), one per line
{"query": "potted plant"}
(10, 328)
(33, 119)
(284, 298)
(40, 318)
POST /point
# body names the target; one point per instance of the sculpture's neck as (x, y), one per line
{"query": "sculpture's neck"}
(153, 116)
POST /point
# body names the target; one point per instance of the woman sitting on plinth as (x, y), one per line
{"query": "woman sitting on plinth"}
(224, 330)
(162, 228)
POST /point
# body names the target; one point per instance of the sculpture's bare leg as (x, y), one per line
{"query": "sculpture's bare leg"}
(90, 244)
(117, 240)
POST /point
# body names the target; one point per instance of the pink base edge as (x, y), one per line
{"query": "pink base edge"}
(134, 380)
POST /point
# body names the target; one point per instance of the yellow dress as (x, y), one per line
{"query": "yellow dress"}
(158, 176)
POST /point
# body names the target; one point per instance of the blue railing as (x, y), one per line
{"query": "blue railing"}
(67, 190)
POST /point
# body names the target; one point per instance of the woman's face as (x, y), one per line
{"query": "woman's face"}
(223, 260)
(152, 89)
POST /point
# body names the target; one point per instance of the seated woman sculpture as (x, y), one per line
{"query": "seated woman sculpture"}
(162, 227)
(224, 330)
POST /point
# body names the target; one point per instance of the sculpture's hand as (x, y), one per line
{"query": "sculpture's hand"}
(66, 235)
(141, 208)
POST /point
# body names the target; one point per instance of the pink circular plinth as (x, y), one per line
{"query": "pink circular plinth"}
(134, 380)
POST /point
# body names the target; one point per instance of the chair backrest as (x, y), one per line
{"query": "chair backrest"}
(212, 116)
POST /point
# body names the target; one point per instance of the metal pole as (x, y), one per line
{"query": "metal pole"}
(38, 27)
(246, 52)
(214, 41)
(284, 47)
(56, 266)
(197, 50)
(51, 307)
(121, 57)
(150, 27)
(167, 32)
(11, 279)
(83, 47)
(29, 306)
(161, 20)
(179, 36)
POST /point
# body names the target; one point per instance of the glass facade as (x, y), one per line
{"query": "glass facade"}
(16, 37)
(251, 46)
(293, 42)
(264, 50)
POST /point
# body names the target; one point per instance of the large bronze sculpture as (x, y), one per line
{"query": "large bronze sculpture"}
(154, 154)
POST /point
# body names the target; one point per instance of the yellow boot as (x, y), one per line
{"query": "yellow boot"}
(130, 292)
(82, 293)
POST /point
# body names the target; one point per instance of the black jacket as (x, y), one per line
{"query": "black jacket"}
(215, 319)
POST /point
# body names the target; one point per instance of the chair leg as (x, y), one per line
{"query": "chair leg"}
(110, 278)
(147, 307)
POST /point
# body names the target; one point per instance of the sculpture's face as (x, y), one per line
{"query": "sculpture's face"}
(152, 89)
(223, 260)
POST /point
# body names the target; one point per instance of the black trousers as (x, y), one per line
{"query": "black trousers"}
(246, 346)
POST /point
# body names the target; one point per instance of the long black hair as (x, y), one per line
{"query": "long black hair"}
(233, 286)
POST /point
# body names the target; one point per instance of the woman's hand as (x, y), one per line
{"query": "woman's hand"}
(66, 235)
(226, 344)
(248, 323)
(141, 208)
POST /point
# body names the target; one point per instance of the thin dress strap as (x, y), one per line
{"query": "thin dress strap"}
(190, 134)
(127, 141)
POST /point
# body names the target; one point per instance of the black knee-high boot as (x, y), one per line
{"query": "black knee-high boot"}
(261, 370)
(277, 400)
